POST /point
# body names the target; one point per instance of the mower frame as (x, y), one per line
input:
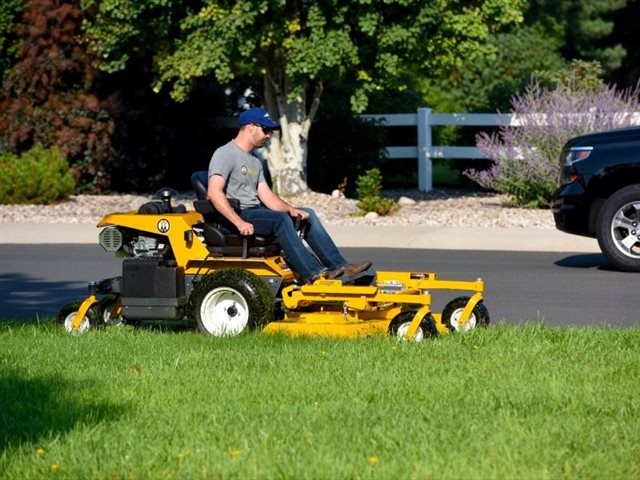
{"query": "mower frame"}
(366, 304)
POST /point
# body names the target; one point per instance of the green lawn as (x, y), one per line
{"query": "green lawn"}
(504, 402)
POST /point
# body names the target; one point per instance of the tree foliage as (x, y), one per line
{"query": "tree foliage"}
(47, 97)
(10, 11)
(625, 33)
(552, 34)
(584, 27)
(488, 83)
(293, 48)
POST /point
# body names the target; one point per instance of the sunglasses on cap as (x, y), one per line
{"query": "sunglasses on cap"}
(265, 130)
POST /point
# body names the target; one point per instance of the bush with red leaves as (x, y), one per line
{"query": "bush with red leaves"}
(47, 96)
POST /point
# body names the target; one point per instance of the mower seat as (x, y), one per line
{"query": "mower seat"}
(219, 233)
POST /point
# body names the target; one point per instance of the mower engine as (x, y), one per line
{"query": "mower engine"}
(151, 285)
(132, 244)
(147, 247)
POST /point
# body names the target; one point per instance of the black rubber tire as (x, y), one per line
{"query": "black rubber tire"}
(608, 239)
(245, 288)
(400, 321)
(455, 307)
(94, 315)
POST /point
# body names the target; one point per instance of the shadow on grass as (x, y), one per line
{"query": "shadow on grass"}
(34, 408)
(25, 297)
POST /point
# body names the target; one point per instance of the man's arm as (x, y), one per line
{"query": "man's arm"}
(274, 202)
(215, 192)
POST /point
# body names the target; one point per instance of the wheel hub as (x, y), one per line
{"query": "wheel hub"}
(455, 319)
(224, 312)
(624, 230)
(68, 321)
(403, 328)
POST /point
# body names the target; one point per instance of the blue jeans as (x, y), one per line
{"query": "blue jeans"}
(279, 224)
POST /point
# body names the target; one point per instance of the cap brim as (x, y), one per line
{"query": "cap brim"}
(270, 124)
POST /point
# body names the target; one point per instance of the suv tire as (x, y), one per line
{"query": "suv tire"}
(618, 228)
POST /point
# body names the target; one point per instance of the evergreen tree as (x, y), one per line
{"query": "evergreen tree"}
(10, 12)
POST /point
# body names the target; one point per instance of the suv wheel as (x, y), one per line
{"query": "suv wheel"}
(618, 229)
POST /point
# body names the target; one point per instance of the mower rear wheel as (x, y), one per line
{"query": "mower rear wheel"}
(401, 323)
(92, 319)
(453, 311)
(229, 301)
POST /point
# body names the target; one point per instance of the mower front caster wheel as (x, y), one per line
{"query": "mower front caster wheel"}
(229, 301)
(92, 319)
(401, 323)
(453, 311)
(108, 304)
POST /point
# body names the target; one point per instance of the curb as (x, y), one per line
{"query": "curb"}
(367, 236)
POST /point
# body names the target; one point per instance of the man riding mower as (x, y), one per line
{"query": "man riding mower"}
(181, 263)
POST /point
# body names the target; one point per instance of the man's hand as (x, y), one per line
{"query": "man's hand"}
(295, 213)
(245, 228)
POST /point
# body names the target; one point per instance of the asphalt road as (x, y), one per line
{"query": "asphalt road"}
(557, 288)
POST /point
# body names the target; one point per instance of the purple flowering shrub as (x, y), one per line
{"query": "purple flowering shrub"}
(526, 153)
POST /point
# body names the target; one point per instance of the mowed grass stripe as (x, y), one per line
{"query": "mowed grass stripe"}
(503, 402)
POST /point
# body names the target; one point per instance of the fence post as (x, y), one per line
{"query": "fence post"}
(425, 167)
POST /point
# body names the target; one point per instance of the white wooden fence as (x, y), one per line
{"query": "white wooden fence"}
(425, 151)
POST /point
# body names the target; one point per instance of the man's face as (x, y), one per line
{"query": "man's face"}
(260, 134)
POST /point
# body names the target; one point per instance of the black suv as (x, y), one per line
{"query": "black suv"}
(599, 194)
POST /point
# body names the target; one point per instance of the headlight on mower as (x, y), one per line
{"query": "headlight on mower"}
(110, 238)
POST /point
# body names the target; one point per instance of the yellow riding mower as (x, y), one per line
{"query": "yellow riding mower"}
(181, 263)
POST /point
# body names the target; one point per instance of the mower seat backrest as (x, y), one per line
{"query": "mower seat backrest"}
(219, 234)
(200, 183)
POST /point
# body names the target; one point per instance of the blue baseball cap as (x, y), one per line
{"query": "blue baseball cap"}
(258, 116)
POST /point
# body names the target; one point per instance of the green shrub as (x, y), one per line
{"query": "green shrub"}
(368, 190)
(38, 176)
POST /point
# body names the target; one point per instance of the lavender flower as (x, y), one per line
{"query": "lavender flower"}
(525, 153)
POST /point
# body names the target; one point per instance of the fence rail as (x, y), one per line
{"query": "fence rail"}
(425, 151)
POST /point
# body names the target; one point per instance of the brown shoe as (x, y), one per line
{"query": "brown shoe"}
(354, 268)
(335, 273)
(327, 274)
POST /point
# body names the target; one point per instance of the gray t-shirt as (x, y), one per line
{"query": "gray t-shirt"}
(241, 172)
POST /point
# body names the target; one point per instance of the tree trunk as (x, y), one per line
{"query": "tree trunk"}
(287, 151)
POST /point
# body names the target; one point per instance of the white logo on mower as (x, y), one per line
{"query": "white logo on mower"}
(163, 225)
